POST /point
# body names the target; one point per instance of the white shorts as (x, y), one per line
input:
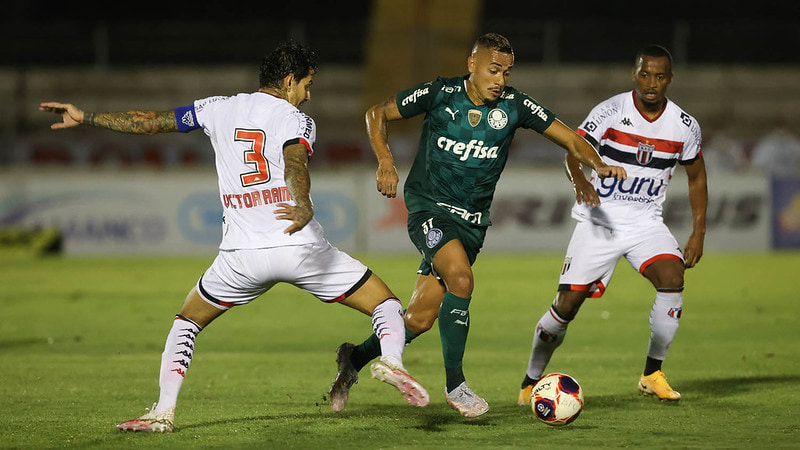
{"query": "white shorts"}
(594, 250)
(237, 277)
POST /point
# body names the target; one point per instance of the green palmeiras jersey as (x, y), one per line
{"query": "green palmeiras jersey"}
(463, 147)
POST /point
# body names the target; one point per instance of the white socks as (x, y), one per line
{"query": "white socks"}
(550, 332)
(664, 317)
(388, 325)
(175, 361)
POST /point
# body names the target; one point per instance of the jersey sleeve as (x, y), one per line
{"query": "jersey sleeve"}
(692, 146)
(298, 128)
(532, 114)
(419, 99)
(199, 111)
(598, 121)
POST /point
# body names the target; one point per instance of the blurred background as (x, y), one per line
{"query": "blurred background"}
(736, 71)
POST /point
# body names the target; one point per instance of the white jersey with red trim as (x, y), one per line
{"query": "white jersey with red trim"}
(248, 133)
(648, 150)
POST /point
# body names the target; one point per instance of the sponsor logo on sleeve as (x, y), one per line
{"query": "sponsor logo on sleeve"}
(536, 109)
(201, 104)
(412, 98)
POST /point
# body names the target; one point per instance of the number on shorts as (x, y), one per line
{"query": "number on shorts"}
(427, 225)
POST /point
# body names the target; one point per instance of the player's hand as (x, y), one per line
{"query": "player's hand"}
(387, 180)
(585, 192)
(299, 216)
(693, 251)
(612, 171)
(70, 115)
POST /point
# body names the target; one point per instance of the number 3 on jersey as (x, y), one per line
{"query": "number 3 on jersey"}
(253, 156)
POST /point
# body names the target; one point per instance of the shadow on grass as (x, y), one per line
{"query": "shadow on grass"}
(12, 344)
(700, 389)
(434, 418)
(439, 417)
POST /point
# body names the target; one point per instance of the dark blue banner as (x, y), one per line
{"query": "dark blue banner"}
(785, 212)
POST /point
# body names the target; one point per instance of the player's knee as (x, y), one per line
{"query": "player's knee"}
(666, 274)
(419, 322)
(567, 304)
(460, 283)
(672, 280)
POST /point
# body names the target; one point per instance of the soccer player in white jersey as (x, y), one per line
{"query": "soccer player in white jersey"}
(647, 134)
(262, 144)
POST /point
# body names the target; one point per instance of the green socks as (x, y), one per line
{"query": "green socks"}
(453, 328)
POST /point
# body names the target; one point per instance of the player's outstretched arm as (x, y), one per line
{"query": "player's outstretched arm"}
(582, 150)
(298, 181)
(134, 122)
(698, 199)
(584, 190)
(377, 119)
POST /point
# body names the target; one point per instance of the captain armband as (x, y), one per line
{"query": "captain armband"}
(186, 118)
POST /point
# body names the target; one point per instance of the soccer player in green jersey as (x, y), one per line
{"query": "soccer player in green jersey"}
(469, 124)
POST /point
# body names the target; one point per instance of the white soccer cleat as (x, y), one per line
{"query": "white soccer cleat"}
(393, 373)
(466, 402)
(150, 422)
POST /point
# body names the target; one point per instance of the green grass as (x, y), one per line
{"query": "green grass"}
(80, 343)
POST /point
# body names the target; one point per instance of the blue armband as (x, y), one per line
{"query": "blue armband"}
(187, 120)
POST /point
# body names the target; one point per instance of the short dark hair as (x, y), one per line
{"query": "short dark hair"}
(493, 41)
(287, 58)
(655, 51)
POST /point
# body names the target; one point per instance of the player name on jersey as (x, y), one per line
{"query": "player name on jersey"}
(256, 198)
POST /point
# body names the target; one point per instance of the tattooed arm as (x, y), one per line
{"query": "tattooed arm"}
(135, 122)
(298, 181)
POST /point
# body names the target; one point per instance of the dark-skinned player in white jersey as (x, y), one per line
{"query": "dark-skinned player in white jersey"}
(649, 135)
(469, 124)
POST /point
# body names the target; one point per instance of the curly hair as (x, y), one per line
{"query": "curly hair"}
(287, 58)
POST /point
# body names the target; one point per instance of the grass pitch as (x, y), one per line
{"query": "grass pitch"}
(80, 344)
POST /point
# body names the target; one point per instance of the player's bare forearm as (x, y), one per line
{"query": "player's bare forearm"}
(584, 190)
(581, 149)
(698, 200)
(573, 168)
(298, 181)
(135, 122)
(377, 119)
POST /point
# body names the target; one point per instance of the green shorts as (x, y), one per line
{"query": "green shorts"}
(430, 230)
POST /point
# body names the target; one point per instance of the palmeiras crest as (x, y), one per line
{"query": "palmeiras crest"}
(497, 119)
(644, 154)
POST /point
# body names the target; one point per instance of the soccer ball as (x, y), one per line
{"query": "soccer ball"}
(557, 399)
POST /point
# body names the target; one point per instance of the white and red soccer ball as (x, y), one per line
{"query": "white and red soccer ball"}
(557, 399)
